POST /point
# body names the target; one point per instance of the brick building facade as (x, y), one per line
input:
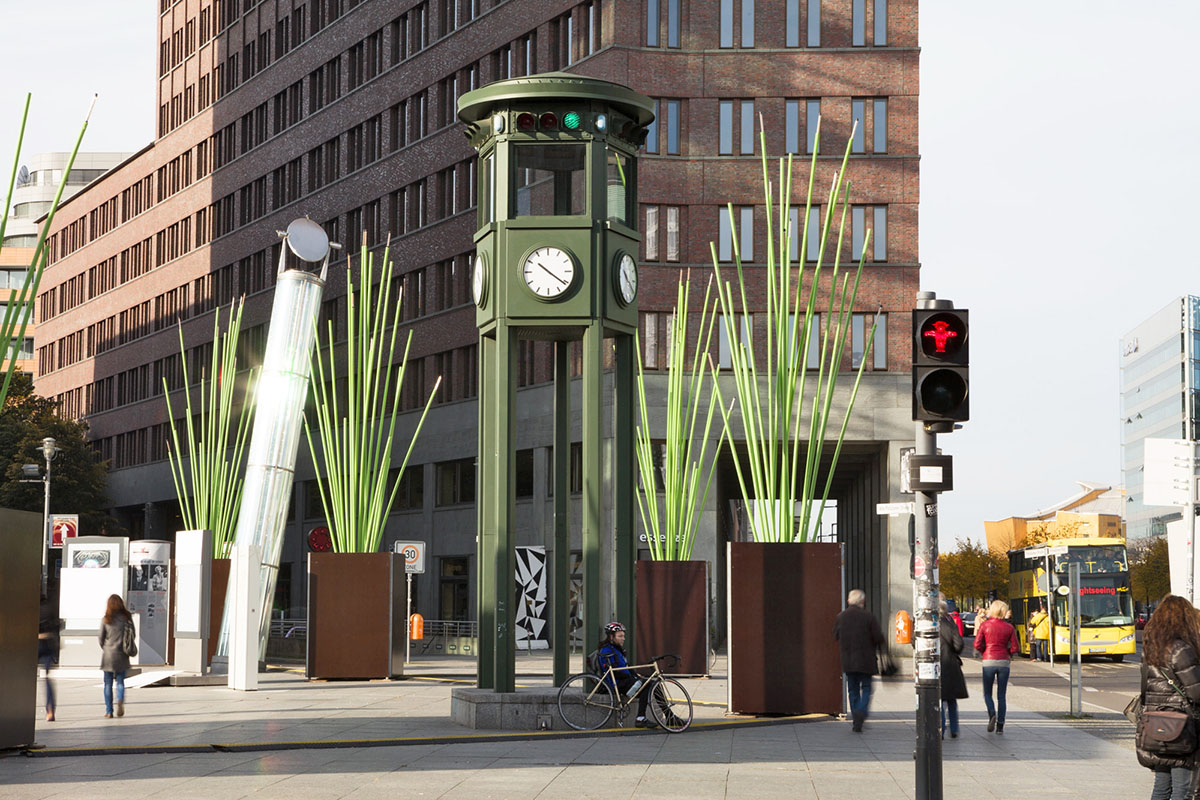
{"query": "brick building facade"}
(344, 111)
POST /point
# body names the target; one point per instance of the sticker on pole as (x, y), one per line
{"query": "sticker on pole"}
(929, 672)
(918, 567)
(414, 556)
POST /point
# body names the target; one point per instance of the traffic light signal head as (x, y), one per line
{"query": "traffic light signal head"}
(941, 340)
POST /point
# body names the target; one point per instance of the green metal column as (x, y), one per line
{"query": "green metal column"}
(624, 477)
(593, 481)
(504, 464)
(562, 523)
(485, 532)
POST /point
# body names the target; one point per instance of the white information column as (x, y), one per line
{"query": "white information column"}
(1170, 480)
(245, 579)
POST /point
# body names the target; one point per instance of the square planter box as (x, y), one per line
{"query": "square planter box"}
(672, 613)
(783, 598)
(356, 615)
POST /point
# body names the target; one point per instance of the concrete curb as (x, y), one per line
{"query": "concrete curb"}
(468, 738)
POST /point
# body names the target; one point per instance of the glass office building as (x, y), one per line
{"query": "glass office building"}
(1160, 376)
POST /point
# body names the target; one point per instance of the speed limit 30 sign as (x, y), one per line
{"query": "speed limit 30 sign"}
(414, 556)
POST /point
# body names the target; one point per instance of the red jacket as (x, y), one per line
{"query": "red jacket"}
(996, 640)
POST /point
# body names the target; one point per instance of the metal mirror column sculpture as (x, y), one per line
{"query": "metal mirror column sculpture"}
(278, 415)
(555, 261)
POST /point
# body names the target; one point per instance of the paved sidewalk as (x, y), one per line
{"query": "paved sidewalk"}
(817, 758)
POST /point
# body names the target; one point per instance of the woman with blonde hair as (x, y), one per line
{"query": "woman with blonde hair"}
(113, 659)
(996, 640)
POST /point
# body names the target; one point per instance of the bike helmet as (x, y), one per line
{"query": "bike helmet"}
(613, 628)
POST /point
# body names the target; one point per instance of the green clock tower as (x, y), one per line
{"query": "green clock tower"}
(556, 260)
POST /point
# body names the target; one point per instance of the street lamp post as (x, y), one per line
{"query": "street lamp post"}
(49, 451)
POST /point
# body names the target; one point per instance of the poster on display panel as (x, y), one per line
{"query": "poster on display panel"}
(149, 597)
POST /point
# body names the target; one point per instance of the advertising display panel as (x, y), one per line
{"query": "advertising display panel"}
(149, 596)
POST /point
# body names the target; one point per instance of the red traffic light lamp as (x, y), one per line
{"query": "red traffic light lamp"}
(941, 388)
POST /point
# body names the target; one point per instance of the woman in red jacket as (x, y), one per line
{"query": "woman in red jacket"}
(996, 641)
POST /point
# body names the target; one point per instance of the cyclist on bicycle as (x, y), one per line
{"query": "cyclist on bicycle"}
(612, 654)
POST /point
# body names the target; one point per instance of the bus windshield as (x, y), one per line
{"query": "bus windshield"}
(1093, 559)
(1099, 606)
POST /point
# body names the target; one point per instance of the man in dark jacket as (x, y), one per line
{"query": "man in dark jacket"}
(859, 637)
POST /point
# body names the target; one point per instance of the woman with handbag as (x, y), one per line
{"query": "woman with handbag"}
(116, 631)
(954, 685)
(1171, 684)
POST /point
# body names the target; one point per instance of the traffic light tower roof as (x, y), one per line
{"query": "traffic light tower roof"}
(554, 87)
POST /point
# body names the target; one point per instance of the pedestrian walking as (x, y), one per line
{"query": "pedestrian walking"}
(48, 627)
(1040, 622)
(859, 638)
(996, 640)
(115, 630)
(1171, 682)
(954, 685)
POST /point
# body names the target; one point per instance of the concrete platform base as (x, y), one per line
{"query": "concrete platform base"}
(522, 710)
(192, 679)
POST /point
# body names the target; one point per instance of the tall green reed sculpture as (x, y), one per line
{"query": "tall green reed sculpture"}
(357, 431)
(781, 468)
(20, 304)
(215, 444)
(671, 532)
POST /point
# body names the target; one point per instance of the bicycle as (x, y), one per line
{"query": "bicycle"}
(587, 701)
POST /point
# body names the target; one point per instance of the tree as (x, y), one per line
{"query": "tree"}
(78, 480)
(1046, 531)
(969, 571)
(1149, 569)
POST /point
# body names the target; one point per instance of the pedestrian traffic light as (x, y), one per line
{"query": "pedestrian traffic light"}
(941, 339)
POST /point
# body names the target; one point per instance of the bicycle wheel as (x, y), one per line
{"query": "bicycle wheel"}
(585, 702)
(671, 705)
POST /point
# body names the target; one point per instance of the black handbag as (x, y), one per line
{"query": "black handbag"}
(886, 664)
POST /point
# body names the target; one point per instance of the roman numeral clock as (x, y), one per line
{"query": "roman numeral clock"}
(556, 260)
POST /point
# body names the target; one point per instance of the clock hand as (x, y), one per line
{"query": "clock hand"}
(551, 274)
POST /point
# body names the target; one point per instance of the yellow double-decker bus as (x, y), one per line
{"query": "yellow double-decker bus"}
(1105, 604)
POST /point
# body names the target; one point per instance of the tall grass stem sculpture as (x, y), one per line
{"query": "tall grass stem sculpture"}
(783, 459)
(357, 431)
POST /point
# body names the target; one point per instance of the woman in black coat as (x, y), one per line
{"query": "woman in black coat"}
(1171, 682)
(954, 685)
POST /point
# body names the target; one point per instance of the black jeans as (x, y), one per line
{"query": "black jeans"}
(624, 683)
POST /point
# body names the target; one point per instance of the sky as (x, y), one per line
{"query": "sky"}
(1058, 164)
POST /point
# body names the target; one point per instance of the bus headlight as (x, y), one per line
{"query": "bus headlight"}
(1125, 639)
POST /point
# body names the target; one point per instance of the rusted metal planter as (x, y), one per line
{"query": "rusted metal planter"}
(672, 613)
(356, 615)
(783, 598)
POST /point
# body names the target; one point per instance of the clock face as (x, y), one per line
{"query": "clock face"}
(479, 281)
(627, 279)
(549, 272)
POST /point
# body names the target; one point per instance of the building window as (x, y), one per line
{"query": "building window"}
(881, 15)
(879, 125)
(410, 493)
(652, 132)
(797, 233)
(672, 126)
(524, 487)
(454, 588)
(650, 340)
(858, 23)
(672, 233)
(736, 125)
(652, 23)
(812, 122)
(814, 23)
(456, 482)
(859, 327)
(745, 217)
(727, 23)
(650, 234)
(745, 324)
(673, 23)
(877, 217)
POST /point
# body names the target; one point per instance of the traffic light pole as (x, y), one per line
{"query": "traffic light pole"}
(926, 639)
